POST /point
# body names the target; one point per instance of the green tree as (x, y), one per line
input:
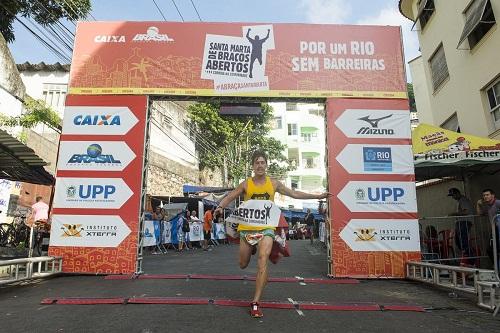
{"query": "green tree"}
(44, 12)
(228, 142)
(411, 97)
(36, 111)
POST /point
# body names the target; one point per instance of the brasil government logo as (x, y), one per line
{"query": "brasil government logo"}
(94, 155)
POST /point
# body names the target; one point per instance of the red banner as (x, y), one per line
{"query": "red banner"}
(264, 60)
(95, 219)
(374, 226)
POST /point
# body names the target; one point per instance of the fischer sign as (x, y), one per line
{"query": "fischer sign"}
(88, 230)
(394, 124)
(378, 196)
(104, 193)
(98, 120)
(381, 235)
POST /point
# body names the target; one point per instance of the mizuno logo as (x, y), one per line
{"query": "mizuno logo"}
(374, 122)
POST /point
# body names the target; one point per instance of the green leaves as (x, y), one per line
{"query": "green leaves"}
(44, 12)
(229, 141)
(35, 112)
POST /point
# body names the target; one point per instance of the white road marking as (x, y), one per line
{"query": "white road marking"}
(298, 311)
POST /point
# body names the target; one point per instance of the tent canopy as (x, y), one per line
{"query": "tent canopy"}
(438, 153)
(20, 163)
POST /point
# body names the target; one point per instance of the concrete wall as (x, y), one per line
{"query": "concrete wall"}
(471, 71)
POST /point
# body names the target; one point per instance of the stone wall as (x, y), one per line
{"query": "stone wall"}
(166, 177)
(45, 146)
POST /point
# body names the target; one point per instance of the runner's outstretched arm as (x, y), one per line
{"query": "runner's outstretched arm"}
(233, 195)
(280, 188)
(248, 36)
(268, 31)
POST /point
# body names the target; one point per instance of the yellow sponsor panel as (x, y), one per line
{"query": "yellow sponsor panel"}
(211, 92)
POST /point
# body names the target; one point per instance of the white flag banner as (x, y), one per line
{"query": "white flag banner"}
(196, 231)
(256, 213)
(148, 231)
(166, 236)
(322, 232)
(219, 231)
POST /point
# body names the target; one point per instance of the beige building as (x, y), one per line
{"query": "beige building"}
(457, 77)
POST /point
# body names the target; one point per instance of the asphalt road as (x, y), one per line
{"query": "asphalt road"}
(21, 310)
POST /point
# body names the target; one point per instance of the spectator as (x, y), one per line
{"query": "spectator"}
(309, 221)
(40, 211)
(489, 205)
(463, 224)
(207, 227)
(183, 233)
(158, 214)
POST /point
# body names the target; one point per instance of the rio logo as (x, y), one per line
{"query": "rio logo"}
(96, 120)
(385, 193)
(96, 191)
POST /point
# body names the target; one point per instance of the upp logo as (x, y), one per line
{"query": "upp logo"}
(97, 120)
(365, 235)
(94, 155)
(377, 159)
(91, 191)
(385, 194)
(71, 230)
(373, 128)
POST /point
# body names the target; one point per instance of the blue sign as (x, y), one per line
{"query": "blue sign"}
(377, 159)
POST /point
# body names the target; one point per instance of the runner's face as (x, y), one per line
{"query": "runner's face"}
(259, 166)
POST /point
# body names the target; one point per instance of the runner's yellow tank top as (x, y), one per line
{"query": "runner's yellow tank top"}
(258, 192)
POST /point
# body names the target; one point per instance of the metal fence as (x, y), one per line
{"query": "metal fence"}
(466, 241)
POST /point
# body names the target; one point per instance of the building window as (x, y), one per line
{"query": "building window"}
(494, 101)
(451, 124)
(479, 19)
(292, 129)
(425, 10)
(291, 106)
(54, 95)
(439, 68)
(278, 123)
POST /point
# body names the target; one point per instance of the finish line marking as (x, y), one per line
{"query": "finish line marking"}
(187, 277)
(292, 305)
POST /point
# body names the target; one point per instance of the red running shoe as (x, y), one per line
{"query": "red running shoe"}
(255, 310)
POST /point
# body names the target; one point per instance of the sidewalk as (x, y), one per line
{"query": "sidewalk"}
(22, 311)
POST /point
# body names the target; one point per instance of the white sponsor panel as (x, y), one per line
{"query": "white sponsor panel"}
(379, 196)
(446, 157)
(196, 231)
(381, 235)
(386, 124)
(219, 231)
(98, 120)
(88, 230)
(238, 63)
(94, 155)
(256, 213)
(148, 233)
(377, 159)
(106, 193)
(166, 233)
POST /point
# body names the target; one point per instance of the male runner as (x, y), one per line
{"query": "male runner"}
(256, 49)
(259, 187)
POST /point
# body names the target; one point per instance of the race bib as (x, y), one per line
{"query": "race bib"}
(256, 213)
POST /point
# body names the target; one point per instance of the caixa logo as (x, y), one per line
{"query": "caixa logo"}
(96, 120)
(94, 155)
(90, 192)
(385, 194)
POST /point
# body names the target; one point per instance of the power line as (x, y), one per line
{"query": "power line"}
(58, 24)
(40, 39)
(78, 11)
(54, 44)
(161, 13)
(178, 11)
(196, 10)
